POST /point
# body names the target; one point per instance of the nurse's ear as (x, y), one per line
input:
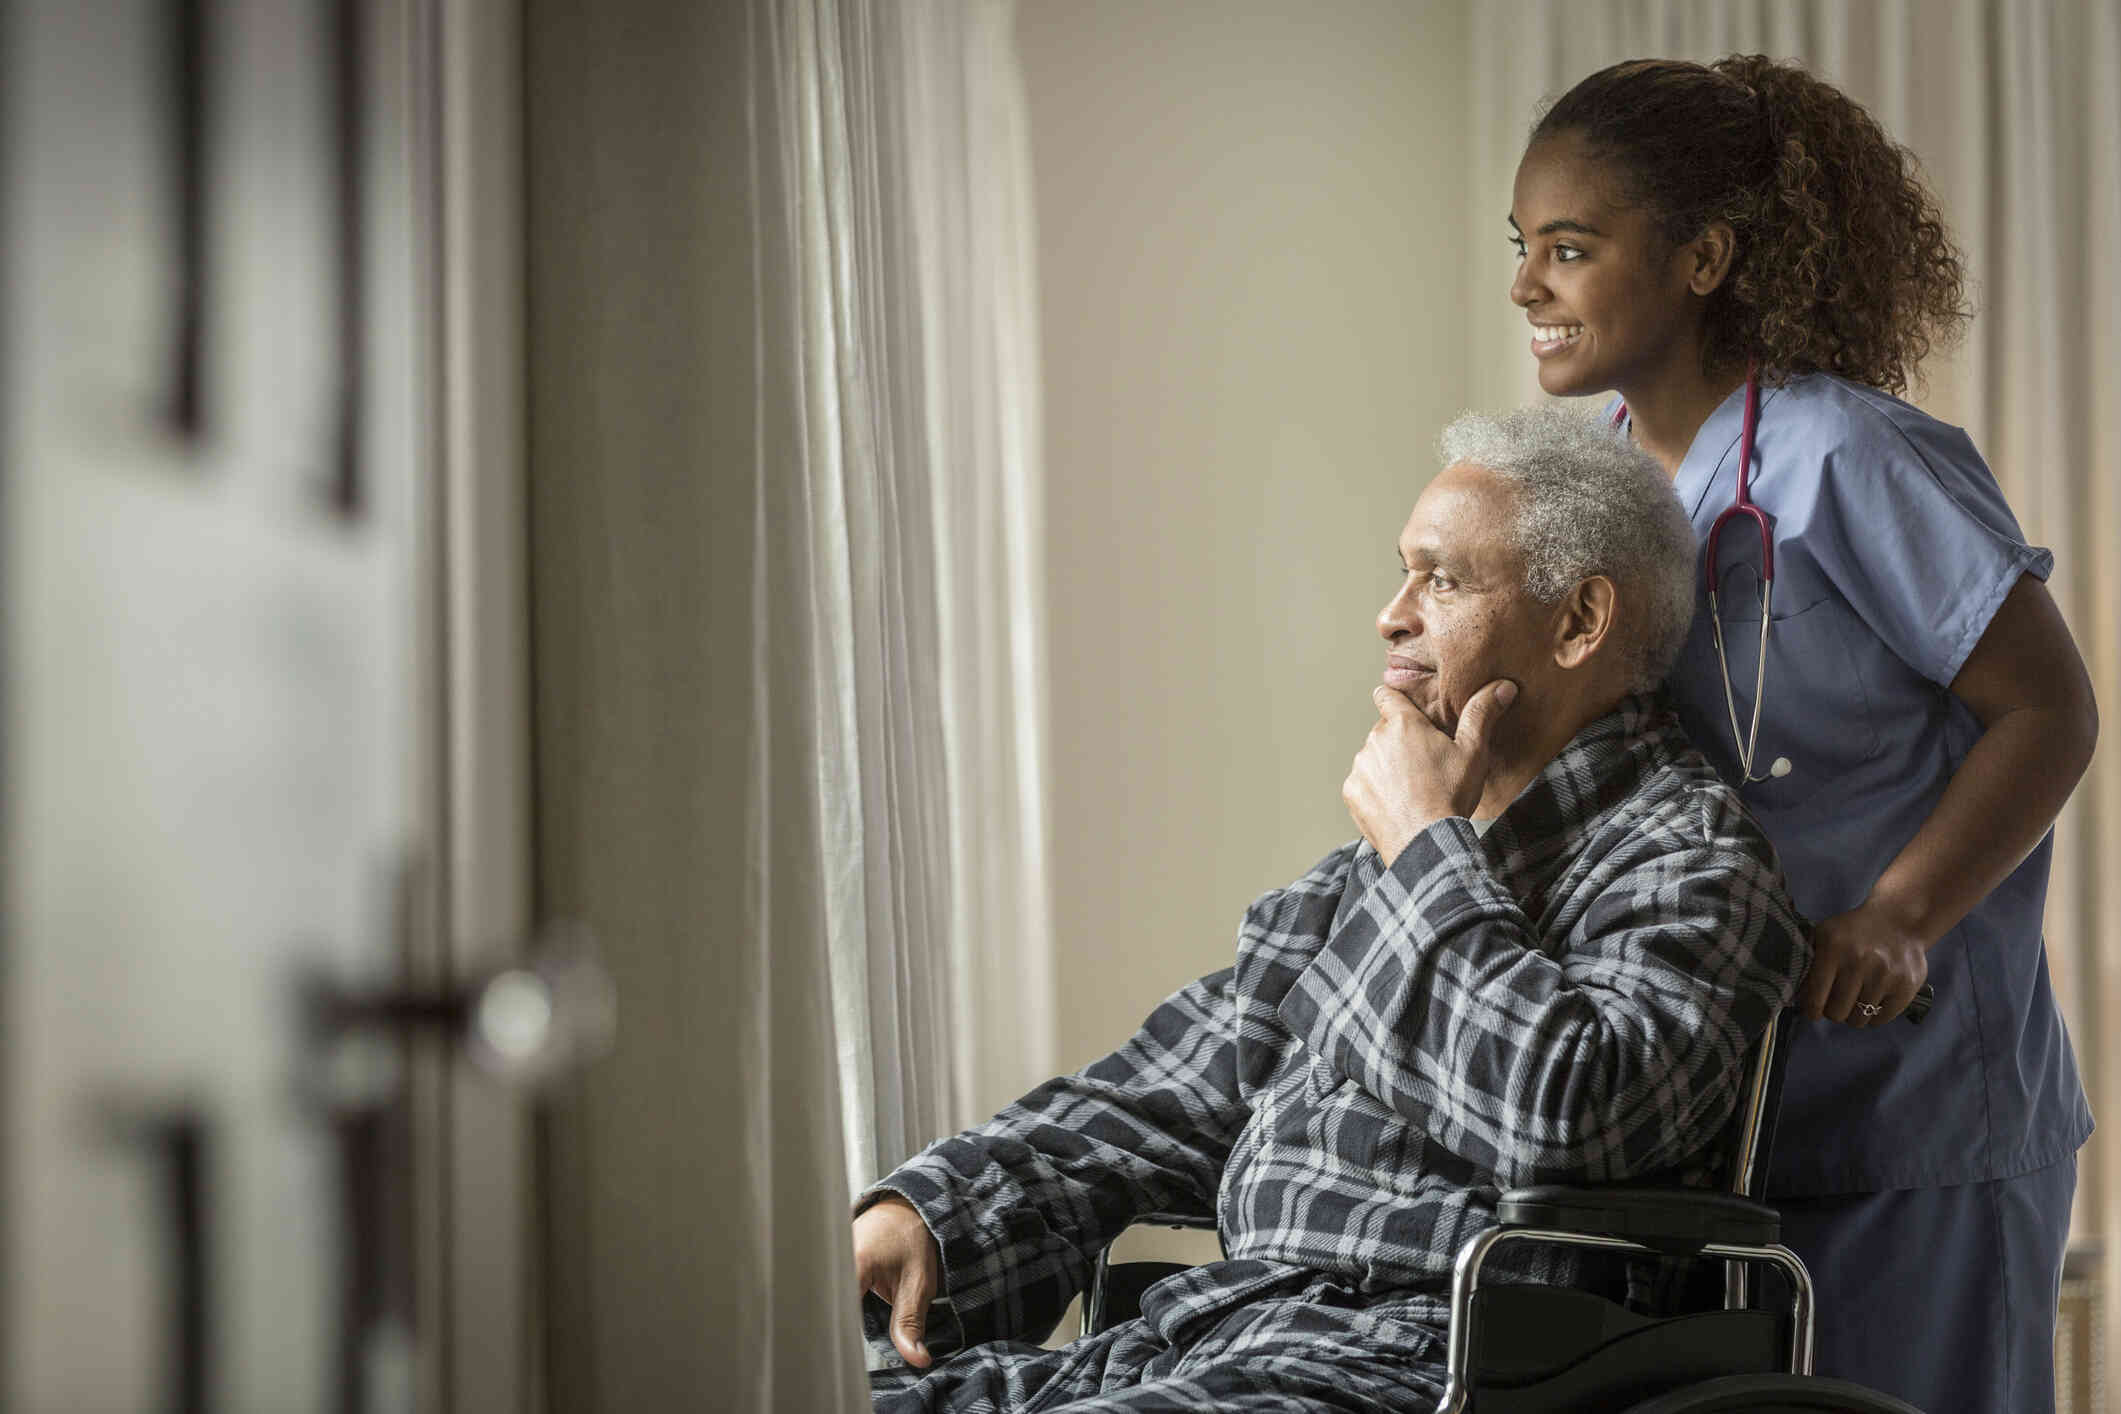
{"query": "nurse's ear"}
(1707, 258)
(1583, 622)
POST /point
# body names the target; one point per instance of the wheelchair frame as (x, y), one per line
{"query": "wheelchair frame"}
(1763, 1093)
(1691, 1210)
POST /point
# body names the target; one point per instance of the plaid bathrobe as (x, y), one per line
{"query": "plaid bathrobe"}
(1572, 997)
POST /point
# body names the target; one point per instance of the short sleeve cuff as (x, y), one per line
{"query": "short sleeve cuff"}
(1982, 602)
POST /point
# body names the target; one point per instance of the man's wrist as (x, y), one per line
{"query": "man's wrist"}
(889, 1199)
(868, 1202)
(1410, 827)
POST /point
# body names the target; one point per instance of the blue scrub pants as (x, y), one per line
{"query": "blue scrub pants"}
(1943, 1296)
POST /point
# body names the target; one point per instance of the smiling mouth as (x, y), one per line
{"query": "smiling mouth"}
(1553, 338)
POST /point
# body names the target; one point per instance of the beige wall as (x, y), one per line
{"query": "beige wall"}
(1252, 268)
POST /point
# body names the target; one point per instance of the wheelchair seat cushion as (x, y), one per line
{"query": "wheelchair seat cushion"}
(1546, 1350)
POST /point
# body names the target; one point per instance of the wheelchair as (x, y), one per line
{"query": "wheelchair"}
(1522, 1348)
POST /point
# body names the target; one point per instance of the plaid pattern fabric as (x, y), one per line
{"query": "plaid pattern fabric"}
(1307, 1347)
(1570, 998)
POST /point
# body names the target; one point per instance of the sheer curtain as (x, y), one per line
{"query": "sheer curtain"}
(901, 517)
(2012, 106)
(787, 654)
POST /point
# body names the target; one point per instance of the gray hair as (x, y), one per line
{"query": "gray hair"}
(1589, 503)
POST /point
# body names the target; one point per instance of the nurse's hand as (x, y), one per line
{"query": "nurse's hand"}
(1863, 956)
(895, 1257)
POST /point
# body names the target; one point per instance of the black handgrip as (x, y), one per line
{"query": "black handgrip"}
(1919, 1007)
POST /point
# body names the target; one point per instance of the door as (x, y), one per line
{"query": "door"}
(219, 780)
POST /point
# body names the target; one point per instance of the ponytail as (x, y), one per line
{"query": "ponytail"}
(1842, 264)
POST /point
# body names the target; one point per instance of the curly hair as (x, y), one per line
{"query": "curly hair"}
(1842, 264)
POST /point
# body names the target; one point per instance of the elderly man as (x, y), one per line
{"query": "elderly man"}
(1545, 960)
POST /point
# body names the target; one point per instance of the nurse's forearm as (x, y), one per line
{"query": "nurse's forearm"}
(2025, 683)
(1998, 805)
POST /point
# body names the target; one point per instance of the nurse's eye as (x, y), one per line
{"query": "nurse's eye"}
(1517, 244)
(1567, 254)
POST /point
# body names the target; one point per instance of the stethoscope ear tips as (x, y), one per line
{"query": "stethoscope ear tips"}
(1780, 768)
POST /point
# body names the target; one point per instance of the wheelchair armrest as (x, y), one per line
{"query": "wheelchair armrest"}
(1677, 1220)
(1115, 1289)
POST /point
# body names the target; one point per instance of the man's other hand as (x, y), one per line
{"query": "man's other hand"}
(1409, 775)
(895, 1256)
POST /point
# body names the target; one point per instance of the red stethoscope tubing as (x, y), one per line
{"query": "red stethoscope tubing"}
(1741, 505)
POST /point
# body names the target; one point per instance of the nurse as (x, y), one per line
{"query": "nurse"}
(1925, 715)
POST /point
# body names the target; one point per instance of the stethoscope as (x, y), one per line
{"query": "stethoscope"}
(1742, 505)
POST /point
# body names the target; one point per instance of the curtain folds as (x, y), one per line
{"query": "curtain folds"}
(787, 651)
(899, 601)
(2012, 107)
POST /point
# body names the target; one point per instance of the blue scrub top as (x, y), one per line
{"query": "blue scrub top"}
(1893, 549)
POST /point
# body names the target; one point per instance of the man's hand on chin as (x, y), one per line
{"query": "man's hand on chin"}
(1409, 775)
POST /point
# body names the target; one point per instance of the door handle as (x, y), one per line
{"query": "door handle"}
(526, 1023)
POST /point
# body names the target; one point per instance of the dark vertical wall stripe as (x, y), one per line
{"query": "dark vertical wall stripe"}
(189, 115)
(348, 35)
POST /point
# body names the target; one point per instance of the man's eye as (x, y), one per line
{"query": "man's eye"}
(1439, 580)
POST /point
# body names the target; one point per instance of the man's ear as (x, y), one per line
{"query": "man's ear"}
(1583, 621)
(1707, 258)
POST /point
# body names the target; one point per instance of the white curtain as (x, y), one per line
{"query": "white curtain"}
(899, 530)
(787, 652)
(2014, 107)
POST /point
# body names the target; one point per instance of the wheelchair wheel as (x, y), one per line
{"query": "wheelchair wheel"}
(1774, 1394)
